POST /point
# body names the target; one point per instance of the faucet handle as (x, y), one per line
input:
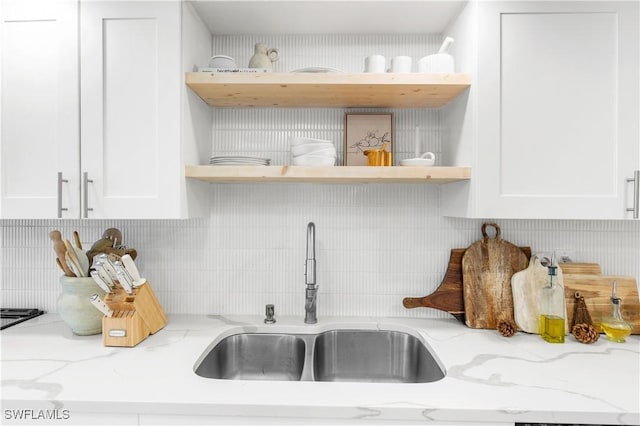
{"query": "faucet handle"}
(270, 313)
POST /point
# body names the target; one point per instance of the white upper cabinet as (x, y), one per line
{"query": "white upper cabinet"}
(39, 142)
(130, 108)
(101, 108)
(554, 110)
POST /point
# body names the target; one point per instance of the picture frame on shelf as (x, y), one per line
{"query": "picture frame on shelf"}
(364, 131)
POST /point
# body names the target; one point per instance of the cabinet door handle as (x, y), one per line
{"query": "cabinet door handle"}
(85, 205)
(60, 182)
(636, 194)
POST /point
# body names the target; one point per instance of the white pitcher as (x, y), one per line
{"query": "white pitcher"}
(263, 57)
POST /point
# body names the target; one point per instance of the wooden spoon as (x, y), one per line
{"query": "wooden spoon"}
(73, 259)
(61, 250)
(76, 237)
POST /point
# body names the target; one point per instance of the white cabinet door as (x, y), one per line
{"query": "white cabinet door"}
(130, 109)
(557, 122)
(39, 109)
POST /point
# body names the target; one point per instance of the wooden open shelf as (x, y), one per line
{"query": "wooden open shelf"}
(337, 174)
(327, 90)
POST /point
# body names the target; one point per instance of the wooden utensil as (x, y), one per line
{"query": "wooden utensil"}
(525, 286)
(105, 245)
(61, 250)
(74, 261)
(487, 268)
(114, 235)
(448, 296)
(76, 237)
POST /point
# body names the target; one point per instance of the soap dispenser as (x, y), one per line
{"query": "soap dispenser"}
(552, 309)
(615, 327)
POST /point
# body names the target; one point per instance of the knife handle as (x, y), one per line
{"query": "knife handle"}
(130, 267)
(100, 305)
(101, 283)
(123, 280)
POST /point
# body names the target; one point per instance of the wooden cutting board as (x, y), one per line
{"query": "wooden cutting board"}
(448, 296)
(487, 268)
(596, 290)
(526, 286)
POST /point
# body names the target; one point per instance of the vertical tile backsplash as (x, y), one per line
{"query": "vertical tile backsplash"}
(376, 243)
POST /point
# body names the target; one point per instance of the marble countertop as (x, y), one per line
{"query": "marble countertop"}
(489, 378)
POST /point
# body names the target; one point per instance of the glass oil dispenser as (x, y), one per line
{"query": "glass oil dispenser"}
(552, 309)
(614, 326)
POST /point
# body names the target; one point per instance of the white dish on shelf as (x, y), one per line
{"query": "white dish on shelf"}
(222, 61)
(327, 152)
(312, 148)
(417, 162)
(298, 140)
(239, 160)
(315, 70)
(313, 161)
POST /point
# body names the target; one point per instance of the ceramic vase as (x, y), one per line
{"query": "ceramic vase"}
(76, 309)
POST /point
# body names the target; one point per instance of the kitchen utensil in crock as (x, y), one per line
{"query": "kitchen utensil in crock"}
(76, 237)
(78, 258)
(114, 235)
(487, 268)
(61, 250)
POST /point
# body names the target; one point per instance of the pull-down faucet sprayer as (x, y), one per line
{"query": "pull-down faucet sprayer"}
(311, 291)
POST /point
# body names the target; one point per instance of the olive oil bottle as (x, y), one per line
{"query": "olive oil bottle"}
(614, 326)
(552, 308)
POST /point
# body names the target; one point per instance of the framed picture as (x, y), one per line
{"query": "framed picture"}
(366, 131)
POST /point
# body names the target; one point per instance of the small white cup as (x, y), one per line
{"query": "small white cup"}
(374, 63)
(401, 64)
(438, 63)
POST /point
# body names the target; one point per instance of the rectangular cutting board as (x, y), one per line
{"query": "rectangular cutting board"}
(596, 290)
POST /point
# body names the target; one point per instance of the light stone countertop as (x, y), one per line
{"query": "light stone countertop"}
(489, 378)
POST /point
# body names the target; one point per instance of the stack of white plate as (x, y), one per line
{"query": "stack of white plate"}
(239, 161)
(312, 152)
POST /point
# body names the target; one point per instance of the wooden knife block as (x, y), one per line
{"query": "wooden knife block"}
(135, 316)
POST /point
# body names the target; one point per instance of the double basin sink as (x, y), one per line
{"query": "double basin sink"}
(342, 355)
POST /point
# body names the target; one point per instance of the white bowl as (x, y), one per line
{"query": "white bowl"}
(417, 162)
(221, 61)
(295, 141)
(313, 148)
(313, 160)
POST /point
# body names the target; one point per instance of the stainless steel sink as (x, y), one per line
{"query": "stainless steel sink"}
(255, 357)
(379, 356)
(373, 356)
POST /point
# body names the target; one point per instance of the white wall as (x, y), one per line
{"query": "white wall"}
(376, 243)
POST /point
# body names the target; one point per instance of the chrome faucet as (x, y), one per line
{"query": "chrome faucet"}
(311, 291)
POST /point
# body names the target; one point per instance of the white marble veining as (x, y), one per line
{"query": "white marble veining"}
(490, 379)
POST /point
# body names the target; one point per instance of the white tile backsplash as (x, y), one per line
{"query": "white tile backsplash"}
(376, 243)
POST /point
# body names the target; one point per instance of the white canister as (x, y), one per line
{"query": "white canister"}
(75, 308)
(438, 63)
(401, 64)
(374, 63)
